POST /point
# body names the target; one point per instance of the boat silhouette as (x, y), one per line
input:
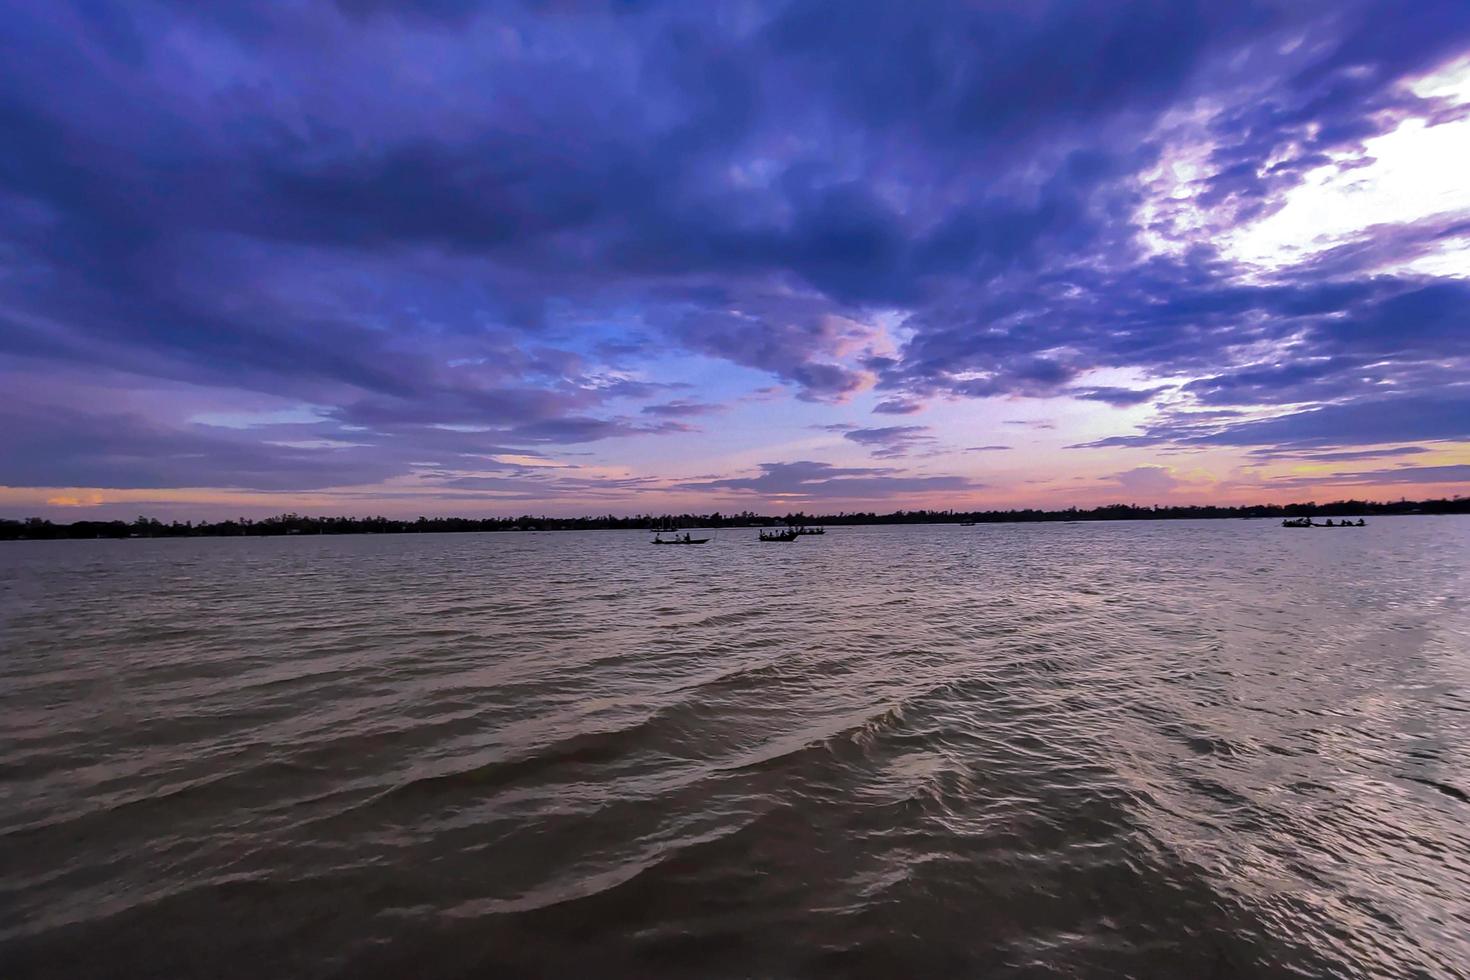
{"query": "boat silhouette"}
(686, 539)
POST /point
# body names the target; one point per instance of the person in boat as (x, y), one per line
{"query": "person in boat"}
(1329, 523)
(1361, 522)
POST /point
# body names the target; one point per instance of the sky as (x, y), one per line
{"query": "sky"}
(456, 257)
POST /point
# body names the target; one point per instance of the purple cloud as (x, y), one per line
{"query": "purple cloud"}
(1442, 415)
(683, 408)
(54, 447)
(898, 406)
(613, 187)
(1117, 397)
(1455, 473)
(890, 442)
(811, 480)
(1337, 457)
(1155, 481)
(1409, 475)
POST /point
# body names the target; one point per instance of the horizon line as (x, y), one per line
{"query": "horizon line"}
(650, 515)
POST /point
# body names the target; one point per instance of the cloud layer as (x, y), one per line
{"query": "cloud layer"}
(442, 231)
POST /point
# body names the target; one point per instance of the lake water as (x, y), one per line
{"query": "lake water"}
(1190, 749)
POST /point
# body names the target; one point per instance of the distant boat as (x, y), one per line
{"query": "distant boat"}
(790, 534)
(803, 529)
(1307, 522)
(667, 526)
(967, 523)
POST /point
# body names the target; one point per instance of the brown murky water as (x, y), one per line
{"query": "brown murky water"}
(1191, 749)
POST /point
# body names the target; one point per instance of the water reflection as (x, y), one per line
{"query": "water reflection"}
(1213, 748)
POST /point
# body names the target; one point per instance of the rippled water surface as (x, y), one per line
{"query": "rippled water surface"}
(1191, 749)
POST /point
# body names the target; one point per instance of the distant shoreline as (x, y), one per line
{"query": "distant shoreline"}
(38, 529)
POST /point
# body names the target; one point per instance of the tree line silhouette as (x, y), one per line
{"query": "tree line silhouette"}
(37, 528)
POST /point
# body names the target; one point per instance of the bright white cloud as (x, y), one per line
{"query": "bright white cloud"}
(1416, 171)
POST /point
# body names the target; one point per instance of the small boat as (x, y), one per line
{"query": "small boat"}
(791, 534)
(803, 529)
(667, 526)
(967, 523)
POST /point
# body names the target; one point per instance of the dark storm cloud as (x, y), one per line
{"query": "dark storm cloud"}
(444, 212)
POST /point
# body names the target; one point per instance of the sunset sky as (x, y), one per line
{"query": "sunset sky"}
(453, 257)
